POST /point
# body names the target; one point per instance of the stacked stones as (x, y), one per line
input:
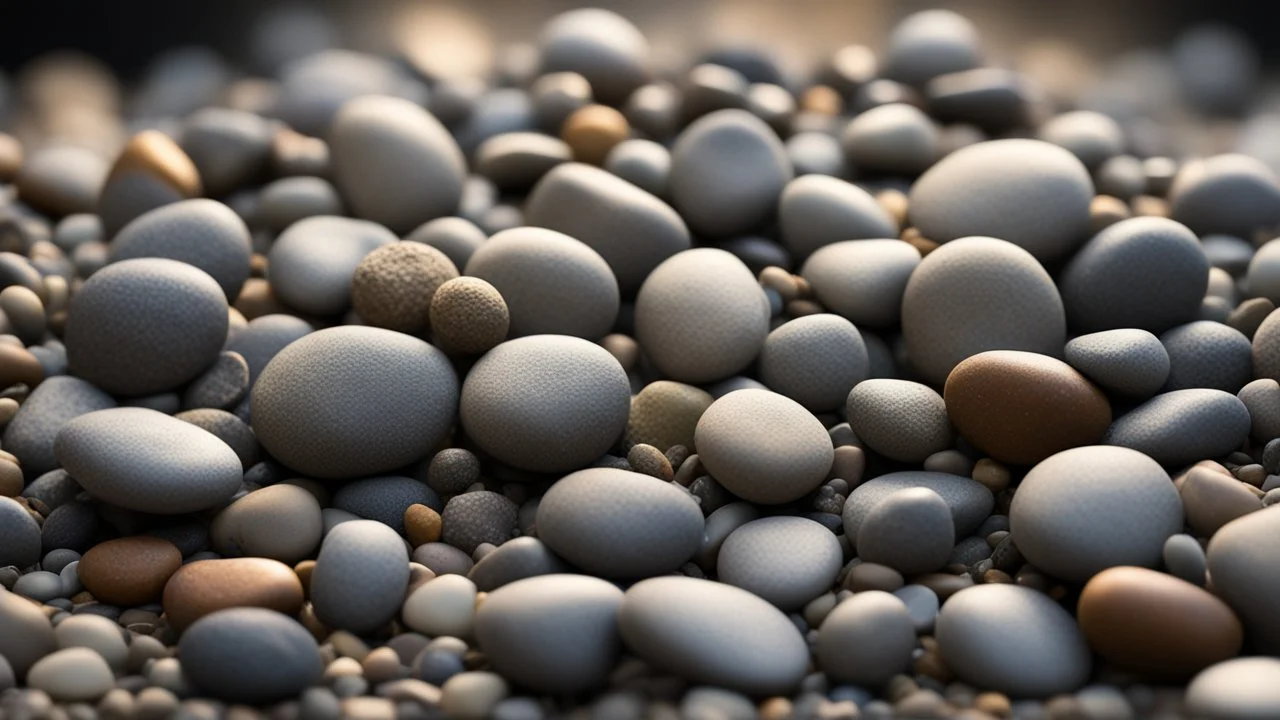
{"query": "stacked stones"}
(913, 389)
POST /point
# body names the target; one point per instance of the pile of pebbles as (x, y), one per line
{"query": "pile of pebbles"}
(909, 387)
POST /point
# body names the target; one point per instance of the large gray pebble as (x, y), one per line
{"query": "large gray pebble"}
(863, 280)
(817, 210)
(1239, 562)
(1014, 640)
(910, 531)
(602, 46)
(1207, 354)
(1237, 689)
(552, 284)
(727, 171)
(148, 461)
(285, 201)
(145, 326)
(892, 139)
(54, 403)
(866, 639)
(1146, 272)
(1228, 194)
(19, 535)
(25, 633)
(311, 264)
(815, 360)
(1087, 509)
(458, 238)
(708, 632)
(970, 501)
(394, 162)
(701, 316)
(385, 499)
(264, 337)
(282, 522)
(763, 447)
(546, 403)
(977, 294)
(785, 560)
(1090, 136)
(250, 655)
(554, 633)
(620, 524)
(902, 420)
(632, 229)
(1266, 348)
(360, 576)
(930, 43)
(353, 401)
(229, 147)
(1183, 426)
(516, 559)
(1127, 361)
(1030, 193)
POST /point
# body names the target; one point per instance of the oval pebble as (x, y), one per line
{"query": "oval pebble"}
(204, 587)
(926, 44)
(866, 640)
(554, 633)
(249, 655)
(311, 264)
(31, 434)
(19, 535)
(863, 280)
(1206, 354)
(1021, 407)
(469, 316)
(893, 139)
(1237, 565)
(393, 286)
(1084, 510)
(666, 413)
(145, 326)
(970, 501)
(129, 571)
(1127, 361)
(72, 675)
(1229, 194)
(620, 524)
(281, 521)
(360, 576)
(815, 360)
(25, 633)
(1183, 426)
(456, 237)
(1238, 689)
(148, 461)
(601, 46)
(354, 401)
(713, 633)
(284, 202)
(516, 559)
(474, 518)
(385, 499)
(1013, 640)
(515, 161)
(200, 232)
(1028, 192)
(817, 210)
(697, 330)
(900, 419)
(977, 294)
(763, 447)
(96, 633)
(643, 163)
(910, 531)
(442, 606)
(1090, 136)
(545, 403)
(785, 560)
(264, 337)
(222, 386)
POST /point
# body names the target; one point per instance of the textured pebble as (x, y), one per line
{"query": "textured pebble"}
(863, 280)
(469, 316)
(311, 264)
(204, 233)
(19, 535)
(785, 560)
(392, 287)
(516, 559)
(866, 640)
(815, 360)
(442, 606)
(479, 517)
(282, 522)
(360, 576)
(384, 499)
(1206, 354)
(1183, 426)
(129, 571)
(249, 655)
(203, 587)
(816, 210)
(1127, 361)
(1237, 565)
(910, 531)
(900, 419)
(1230, 194)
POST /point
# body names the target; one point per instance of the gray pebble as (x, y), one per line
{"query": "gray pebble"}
(817, 210)
(993, 99)
(1123, 177)
(1263, 275)
(41, 586)
(24, 312)
(601, 46)
(1237, 689)
(815, 360)
(1230, 194)
(1236, 561)
(74, 526)
(229, 147)
(71, 675)
(1127, 361)
(516, 161)
(360, 576)
(452, 471)
(283, 202)
(970, 501)
(385, 499)
(516, 559)
(500, 110)
(474, 518)
(785, 560)
(910, 531)
(25, 633)
(620, 524)
(814, 152)
(55, 560)
(900, 419)
(892, 139)
(472, 694)
(643, 163)
(249, 655)
(1207, 354)
(1262, 398)
(1184, 558)
(555, 96)
(1090, 136)
(1183, 426)
(229, 429)
(719, 525)
(222, 386)
(863, 280)
(456, 237)
(922, 606)
(19, 535)
(1087, 509)
(443, 606)
(311, 264)
(263, 338)
(443, 559)
(927, 44)
(283, 522)
(201, 232)
(866, 640)
(705, 703)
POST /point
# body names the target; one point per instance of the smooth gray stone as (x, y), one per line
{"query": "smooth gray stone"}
(554, 633)
(1262, 398)
(1237, 689)
(1229, 194)
(1127, 361)
(229, 147)
(201, 232)
(1123, 177)
(713, 633)
(458, 238)
(311, 264)
(892, 139)
(284, 202)
(922, 606)
(910, 531)
(515, 161)
(145, 326)
(1237, 561)
(385, 499)
(1090, 136)
(1087, 509)
(993, 99)
(263, 338)
(970, 501)
(351, 401)
(25, 633)
(785, 560)
(1184, 558)
(19, 535)
(815, 360)
(620, 524)
(813, 152)
(516, 559)
(496, 112)
(147, 461)
(866, 640)
(1206, 354)
(902, 420)
(250, 655)
(926, 44)
(602, 46)
(41, 586)
(360, 576)
(718, 526)
(1183, 426)
(643, 163)
(1014, 640)
(1146, 272)
(817, 210)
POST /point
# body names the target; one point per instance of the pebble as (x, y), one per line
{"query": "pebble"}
(25, 313)
(1211, 499)
(1013, 640)
(788, 561)
(1266, 348)
(1092, 137)
(866, 640)
(818, 210)
(1206, 354)
(442, 606)
(619, 524)
(1229, 194)
(1022, 407)
(306, 412)
(902, 420)
(249, 655)
(144, 460)
(129, 571)
(666, 413)
(20, 534)
(1236, 689)
(926, 44)
(922, 606)
(150, 171)
(263, 338)
(1148, 273)
(443, 559)
(1184, 558)
(62, 179)
(422, 524)
(18, 365)
(601, 46)
(910, 531)
(815, 360)
(1183, 426)
(288, 200)
(969, 500)
(1126, 361)
(145, 326)
(514, 560)
(384, 499)
(713, 633)
(25, 633)
(1137, 620)
(515, 161)
(40, 586)
(360, 576)
(229, 429)
(643, 163)
(204, 587)
(474, 518)
(97, 634)
(763, 447)
(892, 139)
(863, 280)
(545, 403)
(228, 147)
(282, 522)
(592, 131)
(392, 287)
(1237, 568)
(311, 264)
(472, 695)
(456, 237)
(222, 386)
(452, 471)
(72, 675)
(200, 232)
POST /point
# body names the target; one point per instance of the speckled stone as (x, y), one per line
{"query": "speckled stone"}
(129, 571)
(816, 210)
(1205, 354)
(250, 655)
(19, 535)
(1183, 426)
(30, 436)
(815, 360)
(902, 420)
(866, 640)
(970, 501)
(360, 576)
(514, 560)
(666, 413)
(385, 499)
(200, 232)
(1126, 361)
(203, 587)
(280, 521)
(785, 560)
(863, 280)
(910, 531)
(393, 286)
(478, 517)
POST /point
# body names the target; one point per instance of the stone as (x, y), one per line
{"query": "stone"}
(129, 571)
(204, 587)
(250, 655)
(788, 561)
(866, 640)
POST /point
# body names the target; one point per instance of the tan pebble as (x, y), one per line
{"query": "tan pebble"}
(342, 665)
(258, 265)
(1212, 500)
(894, 202)
(952, 462)
(849, 465)
(822, 100)
(1252, 474)
(1105, 211)
(775, 708)
(156, 154)
(422, 525)
(780, 281)
(469, 316)
(944, 585)
(871, 576)
(303, 570)
(993, 475)
(993, 703)
(368, 707)
(393, 286)
(899, 687)
(922, 244)
(17, 365)
(129, 571)
(665, 413)
(418, 574)
(10, 157)
(931, 665)
(649, 460)
(256, 300)
(623, 348)
(1149, 206)
(1150, 622)
(801, 308)
(205, 586)
(10, 479)
(82, 597)
(997, 576)
(313, 625)
(348, 645)
(293, 153)
(592, 131)
(803, 287)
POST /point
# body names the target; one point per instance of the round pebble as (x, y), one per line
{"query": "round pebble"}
(1236, 565)
(1238, 689)
(384, 499)
(863, 280)
(18, 365)
(129, 571)
(249, 655)
(228, 147)
(516, 161)
(1206, 354)
(816, 210)
(785, 560)
(24, 312)
(1229, 194)
(456, 237)
(472, 694)
(72, 675)
(892, 139)
(665, 414)
(900, 419)
(282, 522)
(204, 233)
(910, 531)
(1090, 136)
(592, 131)
(393, 286)
(452, 471)
(311, 264)
(1126, 361)
(1183, 426)
(97, 634)
(970, 501)
(360, 576)
(204, 587)
(479, 517)
(19, 535)
(815, 360)
(601, 46)
(866, 640)
(643, 163)
(442, 606)
(284, 202)
(222, 386)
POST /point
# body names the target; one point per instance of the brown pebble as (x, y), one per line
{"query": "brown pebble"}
(153, 153)
(8, 409)
(1252, 474)
(129, 571)
(256, 300)
(849, 465)
(1149, 206)
(930, 664)
(997, 576)
(822, 100)
(623, 348)
(805, 289)
(942, 584)
(17, 365)
(993, 703)
(205, 586)
(592, 131)
(993, 475)
(665, 413)
(871, 576)
(780, 281)
(1212, 500)
(1022, 407)
(11, 482)
(1149, 622)
(649, 460)
(922, 244)
(776, 708)
(422, 525)
(1106, 211)
(303, 570)
(469, 316)
(10, 158)
(894, 202)
(801, 308)
(393, 286)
